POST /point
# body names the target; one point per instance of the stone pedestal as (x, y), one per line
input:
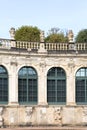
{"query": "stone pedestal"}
(42, 48)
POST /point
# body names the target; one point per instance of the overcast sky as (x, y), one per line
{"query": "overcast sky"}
(45, 14)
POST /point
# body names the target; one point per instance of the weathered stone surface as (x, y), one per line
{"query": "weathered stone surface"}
(42, 113)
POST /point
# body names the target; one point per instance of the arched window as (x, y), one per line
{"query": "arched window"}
(81, 86)
(3, 85)
(56, 86)
(27, 85)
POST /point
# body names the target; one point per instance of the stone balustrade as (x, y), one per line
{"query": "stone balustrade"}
(81, 46)
(27, 45)
(56, 46)
(5, 43)
(8, 43)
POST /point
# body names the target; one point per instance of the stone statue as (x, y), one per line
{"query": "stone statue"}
(70, 36)
(41, 36)
(12, 32)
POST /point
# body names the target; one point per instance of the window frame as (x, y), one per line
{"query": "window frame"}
(3, 77)
(81, 77)
(57, 78)
(28, 77)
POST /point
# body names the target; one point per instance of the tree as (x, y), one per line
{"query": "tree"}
(81, 36)
(27, 33)
(55, 36)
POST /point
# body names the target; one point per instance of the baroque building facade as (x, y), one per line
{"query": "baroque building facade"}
(43, 83)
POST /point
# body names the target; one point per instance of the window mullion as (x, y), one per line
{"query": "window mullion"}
(85, 90)
(56, 89)
(56, 84)
(85, 87)
(27, 85)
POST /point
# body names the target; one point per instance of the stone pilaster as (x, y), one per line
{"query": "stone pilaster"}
(42, 83)
(70, 85)
(13, 85)
(57, 116)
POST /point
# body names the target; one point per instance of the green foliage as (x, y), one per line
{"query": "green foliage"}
(27, 33)
(56, 35)
(81, 36)
(56, 38)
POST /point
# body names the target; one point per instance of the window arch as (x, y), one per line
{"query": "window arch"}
(81, 86)
(56, 86)
(3, 85)
(27, 85)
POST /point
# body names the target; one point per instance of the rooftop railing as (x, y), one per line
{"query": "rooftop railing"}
(81, 46)
(27, 45)
(8, 44)
(5, 43)
(56, 46)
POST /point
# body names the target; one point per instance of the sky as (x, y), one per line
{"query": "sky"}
(45, 14)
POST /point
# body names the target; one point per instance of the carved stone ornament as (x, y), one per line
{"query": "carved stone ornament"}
(84, 115)
(29, 111)
(14, 63)
(85, 111)
(43, 114)
(57, 115)
(71, 64)
(1, 118)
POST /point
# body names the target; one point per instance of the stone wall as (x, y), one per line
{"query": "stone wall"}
(42, 114)
(39, 115)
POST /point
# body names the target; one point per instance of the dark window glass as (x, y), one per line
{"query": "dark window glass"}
(81, 86)
(27, 85)
(56, 85)
(3, 85)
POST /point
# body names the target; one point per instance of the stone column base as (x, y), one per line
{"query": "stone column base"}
(71, 104)
(13, 103)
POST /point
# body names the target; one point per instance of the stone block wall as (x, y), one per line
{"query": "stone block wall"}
(40, 116)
